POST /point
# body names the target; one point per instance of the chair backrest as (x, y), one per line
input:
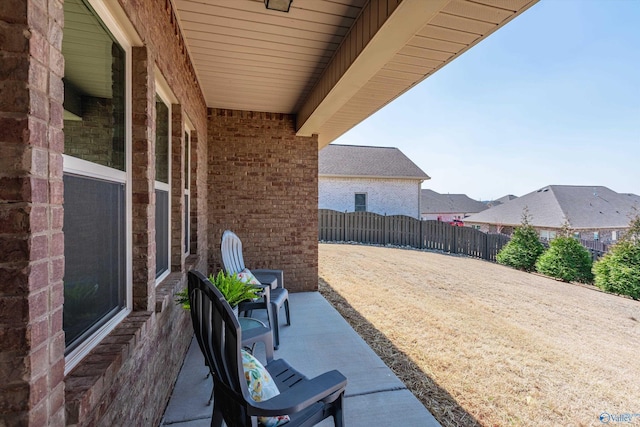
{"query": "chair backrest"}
(218, 333)
(231, 249)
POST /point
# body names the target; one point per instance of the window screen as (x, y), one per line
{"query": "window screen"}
(162, 232)
(361, 202)
(94, 251)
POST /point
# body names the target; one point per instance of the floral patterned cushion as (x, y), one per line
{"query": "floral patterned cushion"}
(247, 277)
(261, 387)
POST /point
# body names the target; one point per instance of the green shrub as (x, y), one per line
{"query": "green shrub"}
(567, 260)
(619, 270)
(523, 249)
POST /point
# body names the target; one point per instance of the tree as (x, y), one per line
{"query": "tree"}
(524, 248)
(619, 270)
(567, 260)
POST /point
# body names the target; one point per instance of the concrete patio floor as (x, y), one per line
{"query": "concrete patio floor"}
(318, 340)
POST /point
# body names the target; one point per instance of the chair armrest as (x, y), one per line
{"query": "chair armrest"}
(279, 274)
(302, 395)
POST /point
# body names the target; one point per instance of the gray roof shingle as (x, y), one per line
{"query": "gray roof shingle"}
(433, 203)
(583, 207)
(364, 161)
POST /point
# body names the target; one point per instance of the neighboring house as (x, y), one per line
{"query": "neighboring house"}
(592, 212)
(447, 207)
(501, 200)
(382, 180)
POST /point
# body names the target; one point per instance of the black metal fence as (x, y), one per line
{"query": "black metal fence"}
(400, 230)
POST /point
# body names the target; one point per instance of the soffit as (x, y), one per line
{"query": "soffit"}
(333, 63)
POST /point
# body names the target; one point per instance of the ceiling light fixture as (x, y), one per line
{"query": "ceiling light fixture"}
(279, 5)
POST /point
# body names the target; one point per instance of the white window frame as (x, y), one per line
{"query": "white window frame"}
(366, 201)
(115, 20)
(188, 128)
(165, 94)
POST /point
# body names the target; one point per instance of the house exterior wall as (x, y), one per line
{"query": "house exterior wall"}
(264, 186)
(605, 235)
(127, 378)
(446, 217)
(384, 196)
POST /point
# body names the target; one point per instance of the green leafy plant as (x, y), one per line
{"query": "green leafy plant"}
(619, 270)
(230, 286)
(567, 260)
(524, 248)
(233, 289)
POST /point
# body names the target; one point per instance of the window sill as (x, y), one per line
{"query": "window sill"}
(166, 290)
(87, 382)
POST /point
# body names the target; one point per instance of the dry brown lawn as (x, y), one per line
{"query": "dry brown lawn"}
(480, 343)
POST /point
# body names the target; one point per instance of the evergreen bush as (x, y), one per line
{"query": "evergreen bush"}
(619, 270)
(524, 248)
(567, 260)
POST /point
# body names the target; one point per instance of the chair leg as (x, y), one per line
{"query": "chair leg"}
(275, 326)
(217, 418)
(338, 415)
(286, 310)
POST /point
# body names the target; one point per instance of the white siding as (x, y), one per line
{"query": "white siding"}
(384, 196)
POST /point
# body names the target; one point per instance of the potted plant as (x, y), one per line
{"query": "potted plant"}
(232, 288)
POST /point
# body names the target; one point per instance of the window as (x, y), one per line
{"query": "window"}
(97, 190)
(361, 202)
(596, 236)
(163, 240)
(187, 186)
(614, 235)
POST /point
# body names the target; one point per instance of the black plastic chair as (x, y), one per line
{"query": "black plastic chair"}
(233, 262)
(306, 401)
(197, 280)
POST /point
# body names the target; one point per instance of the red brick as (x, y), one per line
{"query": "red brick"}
(56, 113)
(38, 415)
(56, 88)
(38, 332)
(38, 304)
(39, 190)
(14, 11)
(13, 310)
(13, 339)
(56, 191)
(39, 219)
(57, 269)
(56, 140)
(37, 18)
(57, 217)
(15, 398)
(14, 248)
(57, 244)
(14, 96)
(39, 247)
(14, 219)
(38, 275)
(38, 390)
(38, 131)
(39, 104)
(56, 62)
(14, 67)
(14, 280)
(11, 130)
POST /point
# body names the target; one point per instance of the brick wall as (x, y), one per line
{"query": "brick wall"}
(384, 196)
(127, 378)
(31, 259)
(264, 186)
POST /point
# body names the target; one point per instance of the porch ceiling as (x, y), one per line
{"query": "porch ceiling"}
(333, 63)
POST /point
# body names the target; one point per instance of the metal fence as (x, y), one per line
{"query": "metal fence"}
(400, 230)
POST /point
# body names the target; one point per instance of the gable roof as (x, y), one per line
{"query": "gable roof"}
(432, 202)
(583, 207)
(367, 162)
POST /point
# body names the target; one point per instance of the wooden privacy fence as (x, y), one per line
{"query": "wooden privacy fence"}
(401, 230)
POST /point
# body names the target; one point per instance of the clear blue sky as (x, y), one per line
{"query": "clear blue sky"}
(551, 98)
